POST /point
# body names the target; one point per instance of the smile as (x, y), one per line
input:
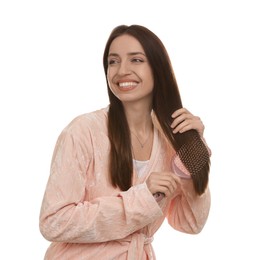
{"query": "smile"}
(127, 84)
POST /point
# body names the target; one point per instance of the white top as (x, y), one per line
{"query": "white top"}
(140, 167)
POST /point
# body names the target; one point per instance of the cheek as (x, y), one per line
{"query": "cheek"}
(110, 75)
(149, 78)
(108, 78)
(111, 71)
(109, 81)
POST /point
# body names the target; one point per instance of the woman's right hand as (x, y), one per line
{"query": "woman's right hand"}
(162, 182)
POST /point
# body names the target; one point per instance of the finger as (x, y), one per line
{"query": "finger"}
(180, 119)
(181, 126)
(164, 182)
(168, 186)
(184, 127)
(193, 121)
(176, 178)
(179, 111)
(187, 125)
(169, 190)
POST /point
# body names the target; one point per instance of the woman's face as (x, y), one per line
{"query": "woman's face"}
(129, 73)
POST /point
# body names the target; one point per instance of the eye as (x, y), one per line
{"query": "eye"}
(113, 61)
(137, 60)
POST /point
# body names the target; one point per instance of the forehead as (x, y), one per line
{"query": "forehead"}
(125, 44)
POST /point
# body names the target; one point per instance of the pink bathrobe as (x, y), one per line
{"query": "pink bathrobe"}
(87, 219)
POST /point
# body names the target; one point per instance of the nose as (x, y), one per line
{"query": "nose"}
(123, 68)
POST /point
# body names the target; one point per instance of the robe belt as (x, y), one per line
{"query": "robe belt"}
(137, 243)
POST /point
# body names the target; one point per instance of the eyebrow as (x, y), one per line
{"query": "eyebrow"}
(129, 54)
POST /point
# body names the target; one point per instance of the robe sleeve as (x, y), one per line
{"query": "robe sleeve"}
(66, 217)
(188, 211)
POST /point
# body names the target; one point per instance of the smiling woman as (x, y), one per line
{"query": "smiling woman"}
(129, 73)
(118, 172)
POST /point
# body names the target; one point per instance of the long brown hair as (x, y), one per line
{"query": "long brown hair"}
(166, 99)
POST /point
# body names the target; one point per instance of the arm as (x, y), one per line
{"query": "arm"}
(188, 211)
(66, 217)
(184, 121)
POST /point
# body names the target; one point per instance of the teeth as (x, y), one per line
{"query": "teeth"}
(127, 84)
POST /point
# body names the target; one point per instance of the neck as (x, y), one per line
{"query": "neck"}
(140, 124)
(142, 142)
(139, 119)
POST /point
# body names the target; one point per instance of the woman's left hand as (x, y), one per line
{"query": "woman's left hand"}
(184, 121)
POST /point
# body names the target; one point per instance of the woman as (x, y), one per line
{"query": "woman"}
(118, 172)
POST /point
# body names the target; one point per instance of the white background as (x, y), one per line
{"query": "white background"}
(51, 71)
